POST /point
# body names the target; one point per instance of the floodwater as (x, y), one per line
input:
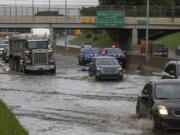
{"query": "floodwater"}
(71, 103)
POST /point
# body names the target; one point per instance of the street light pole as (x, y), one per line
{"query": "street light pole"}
(147, 32)
(15, 8)
(49, 5)
(65, 24)
(32, 7)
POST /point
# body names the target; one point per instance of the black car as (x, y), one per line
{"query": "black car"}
(171, 70)
(116, 53)
(86, 54)
(160, 50)
(105, 67)
(160, 100)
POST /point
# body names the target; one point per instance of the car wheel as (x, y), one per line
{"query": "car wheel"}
(121, 77)
(157, 127)
(83, 64)
(80, 62)
(91, 73)
(137, 110)
(97, 77)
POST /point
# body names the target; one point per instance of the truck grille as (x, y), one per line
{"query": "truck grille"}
(40, 58)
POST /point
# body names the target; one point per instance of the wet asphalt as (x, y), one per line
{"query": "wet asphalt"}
(71, 103)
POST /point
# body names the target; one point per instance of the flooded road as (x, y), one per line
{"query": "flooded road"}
(71, 103)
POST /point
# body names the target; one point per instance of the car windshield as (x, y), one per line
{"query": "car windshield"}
(91, 51)
(107, 61)
(111, 51)
(167, 91)
(38, 44)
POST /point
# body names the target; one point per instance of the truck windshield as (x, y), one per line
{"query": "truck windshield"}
(37, 44)
(3, 46)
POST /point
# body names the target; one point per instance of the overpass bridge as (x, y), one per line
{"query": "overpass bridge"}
(76, 22)
(167, 18)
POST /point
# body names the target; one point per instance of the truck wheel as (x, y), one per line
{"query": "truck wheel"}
(53, 71)
(14, 65)
(24, 70)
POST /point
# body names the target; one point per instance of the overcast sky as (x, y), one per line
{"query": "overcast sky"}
(46, 2)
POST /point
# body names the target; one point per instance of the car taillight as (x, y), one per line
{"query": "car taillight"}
(113, 46)
(167, 49)
(104, 52)
(119, 56)
(95, 55)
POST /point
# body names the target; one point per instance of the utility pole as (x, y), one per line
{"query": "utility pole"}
(65, 25)
(147, 32)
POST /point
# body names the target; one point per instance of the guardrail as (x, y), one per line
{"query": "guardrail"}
(131, 11)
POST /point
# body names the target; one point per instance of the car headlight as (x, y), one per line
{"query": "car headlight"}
(99, 69)
(162, 110)
(120, 68)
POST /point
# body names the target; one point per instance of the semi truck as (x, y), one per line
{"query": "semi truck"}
(32, 51)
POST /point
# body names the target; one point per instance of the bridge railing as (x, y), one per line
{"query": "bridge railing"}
(132, 11)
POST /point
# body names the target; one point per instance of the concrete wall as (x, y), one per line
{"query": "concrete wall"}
(155, 64)
(134, 62)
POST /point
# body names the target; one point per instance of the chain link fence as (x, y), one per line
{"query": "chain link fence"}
(131, 11)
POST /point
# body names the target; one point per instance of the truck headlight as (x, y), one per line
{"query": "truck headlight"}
(51, 56)
(162, 110)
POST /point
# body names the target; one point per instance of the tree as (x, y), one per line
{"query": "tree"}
(140, 2)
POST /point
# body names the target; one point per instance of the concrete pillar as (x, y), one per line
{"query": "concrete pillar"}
(134, 37)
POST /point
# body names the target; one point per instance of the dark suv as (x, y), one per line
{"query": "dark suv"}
(86, 54)
(116, 53)
(160, 50)
(105, 67)
(171, 70)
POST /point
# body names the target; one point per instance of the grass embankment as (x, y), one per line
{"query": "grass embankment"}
(97, 40)
(9, 125)
(172, 40)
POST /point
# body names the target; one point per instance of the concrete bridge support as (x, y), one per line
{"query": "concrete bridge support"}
(134, 37)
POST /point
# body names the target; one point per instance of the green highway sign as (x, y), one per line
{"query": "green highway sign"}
(141, 21)
(110, 19)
